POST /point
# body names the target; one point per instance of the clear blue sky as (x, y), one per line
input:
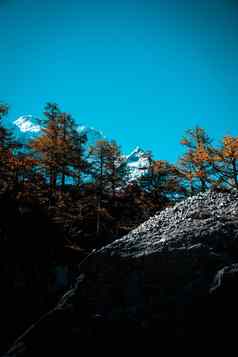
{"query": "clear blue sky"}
(142, 71)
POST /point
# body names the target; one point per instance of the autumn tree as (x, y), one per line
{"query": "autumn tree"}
(225, 162)
(116, 169)
(136, 206)
(108, 172)
(109, 169)
(4, 108)
(46, 146)
(71, 160)
(8, 161)
(59, 148)
(5, 137)
(161, 182)
(195, 166)
(78, 161)
(4, 142)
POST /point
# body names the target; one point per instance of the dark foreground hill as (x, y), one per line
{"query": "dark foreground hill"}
(171, 282)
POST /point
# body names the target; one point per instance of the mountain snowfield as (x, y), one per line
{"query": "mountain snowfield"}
(137, 163)
(27, 127)
(26, 123)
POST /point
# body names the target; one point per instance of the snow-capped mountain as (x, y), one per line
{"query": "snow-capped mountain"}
(26, 123)
(28, 127)
(93, 135)
(137, 163)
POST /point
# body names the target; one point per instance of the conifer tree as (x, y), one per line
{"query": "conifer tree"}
(5, 136)
(46, 146)
(161, 181)
(78, 161)
(225, 162)
(59, 148)
(116, 169)
(4, 142)
(7, 146)
(195, 166)
(108, 171)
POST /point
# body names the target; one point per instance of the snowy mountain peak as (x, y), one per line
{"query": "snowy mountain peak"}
(138, 149)
(27, 127)
(136, 154)
(93, 135)
(27, 123)
(137, 163)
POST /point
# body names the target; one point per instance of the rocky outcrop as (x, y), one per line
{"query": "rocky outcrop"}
(35, 266)
(170, 282)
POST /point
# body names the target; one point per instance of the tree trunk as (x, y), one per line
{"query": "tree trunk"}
(99, 196)
(98, 216)
(63, 179)
(235, 173)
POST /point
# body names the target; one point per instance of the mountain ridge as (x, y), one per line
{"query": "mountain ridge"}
(27, 127)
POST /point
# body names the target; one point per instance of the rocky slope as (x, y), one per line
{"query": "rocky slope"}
(169, 283)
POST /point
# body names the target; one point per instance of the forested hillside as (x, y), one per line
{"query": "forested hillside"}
(90, 192)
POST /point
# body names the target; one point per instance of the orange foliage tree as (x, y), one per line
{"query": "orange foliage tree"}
(195, 166)
(226, 162)
(161, 180)
(7, 147)
(59, 149)
(108, 172)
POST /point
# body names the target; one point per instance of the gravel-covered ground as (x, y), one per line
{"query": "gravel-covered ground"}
(193, 221)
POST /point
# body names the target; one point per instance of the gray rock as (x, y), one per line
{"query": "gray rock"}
(171, 280)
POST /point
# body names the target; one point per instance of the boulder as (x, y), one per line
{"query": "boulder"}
(170, 282)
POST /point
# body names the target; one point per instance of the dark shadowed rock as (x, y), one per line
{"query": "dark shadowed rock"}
(170, 282)
(34, 266)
